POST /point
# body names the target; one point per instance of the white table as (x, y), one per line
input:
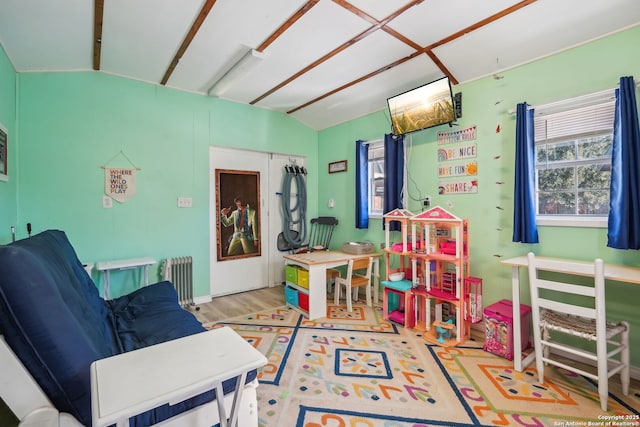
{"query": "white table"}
(620, 273)
(317, 263)
(123, 264)
(134, 382)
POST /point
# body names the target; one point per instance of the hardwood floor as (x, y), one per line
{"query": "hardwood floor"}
(225, 307)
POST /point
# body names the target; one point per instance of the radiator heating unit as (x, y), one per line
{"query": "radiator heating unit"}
(179, 271)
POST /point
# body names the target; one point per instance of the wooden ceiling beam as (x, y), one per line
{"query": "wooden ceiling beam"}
(98, 13)
(406, 40)
(315, 63)
(284, 27)
(204, 12)
(420, 50)
(358, 80)
(482, 23)
(375, 27)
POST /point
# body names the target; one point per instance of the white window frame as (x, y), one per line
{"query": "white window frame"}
(603, 99)
(378, 146)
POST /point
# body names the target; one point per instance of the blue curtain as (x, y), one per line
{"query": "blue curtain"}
(525, 229)
(624, 209)
(393, 175)
(362, 185)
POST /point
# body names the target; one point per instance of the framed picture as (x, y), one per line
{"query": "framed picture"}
(4, 154)
(238, 214)
(340, 166)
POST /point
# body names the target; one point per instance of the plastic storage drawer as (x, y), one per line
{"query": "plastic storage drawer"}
(291, 295)
(291, 273)
(303, 278)
(303, 301)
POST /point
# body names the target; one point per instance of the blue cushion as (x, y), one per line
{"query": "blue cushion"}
(151, 315)
(53, 318)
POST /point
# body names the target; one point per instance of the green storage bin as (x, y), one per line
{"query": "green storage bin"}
(291, 273)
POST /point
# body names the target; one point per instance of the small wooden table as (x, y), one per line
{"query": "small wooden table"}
(620, 273)
(317, 263)
(134, 382)
(123, 264)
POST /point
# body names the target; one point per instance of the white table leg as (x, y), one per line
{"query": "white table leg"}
(519, 364)
(232, 420)
(317, 291)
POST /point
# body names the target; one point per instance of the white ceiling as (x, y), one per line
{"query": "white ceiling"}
(324, 61)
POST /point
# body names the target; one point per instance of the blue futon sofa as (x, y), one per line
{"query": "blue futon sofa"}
(54, 320)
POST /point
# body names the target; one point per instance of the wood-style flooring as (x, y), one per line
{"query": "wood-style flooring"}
(228, 306)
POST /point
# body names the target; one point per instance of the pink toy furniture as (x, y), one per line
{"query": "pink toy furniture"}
(404, 313)
(498, 321)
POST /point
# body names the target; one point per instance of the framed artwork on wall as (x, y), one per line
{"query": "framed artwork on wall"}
(4, 154)
(238, 214)
(340, 166)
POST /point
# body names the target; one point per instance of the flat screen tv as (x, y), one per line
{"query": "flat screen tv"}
(423, 107)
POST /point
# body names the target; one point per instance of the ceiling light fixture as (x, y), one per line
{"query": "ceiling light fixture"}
(248, 61)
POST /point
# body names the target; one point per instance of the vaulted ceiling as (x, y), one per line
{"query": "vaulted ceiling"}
(321, 61)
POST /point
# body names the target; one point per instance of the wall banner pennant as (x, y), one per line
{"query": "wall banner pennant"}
(461, 135)
(120, 183)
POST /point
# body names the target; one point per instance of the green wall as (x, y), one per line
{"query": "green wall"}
(64, 126)
(8, 197)
(71, 124)
(486, 104)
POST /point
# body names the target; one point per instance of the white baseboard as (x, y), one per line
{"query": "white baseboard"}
(203, 299)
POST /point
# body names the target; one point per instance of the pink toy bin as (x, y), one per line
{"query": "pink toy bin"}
(498, 322)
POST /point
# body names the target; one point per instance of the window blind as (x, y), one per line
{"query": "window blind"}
(575, 117)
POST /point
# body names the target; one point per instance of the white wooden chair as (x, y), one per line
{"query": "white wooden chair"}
(577, 310)
(358, 275)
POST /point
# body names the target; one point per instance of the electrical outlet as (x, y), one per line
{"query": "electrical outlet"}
(107, 202)
(185, 202)
(426, 202)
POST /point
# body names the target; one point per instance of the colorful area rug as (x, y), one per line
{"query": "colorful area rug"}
(356, 369)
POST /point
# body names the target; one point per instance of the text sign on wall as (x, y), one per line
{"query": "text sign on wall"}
(120, 183)
(458, 187)
(462, 152)
(464, 169)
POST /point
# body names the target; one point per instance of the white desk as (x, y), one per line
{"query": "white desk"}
(123, 264)
(620, 273)
(134, 382)
(317, 263)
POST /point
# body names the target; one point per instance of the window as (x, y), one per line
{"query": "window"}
(573, 161)
(375, 160)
